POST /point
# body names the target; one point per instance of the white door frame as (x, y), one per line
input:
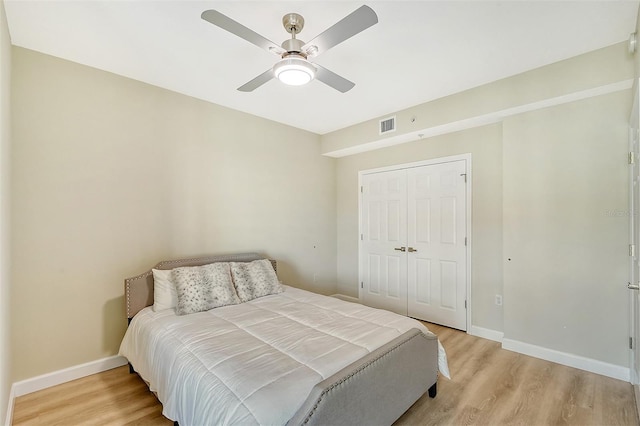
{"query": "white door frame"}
(634, 327)
(448, 159)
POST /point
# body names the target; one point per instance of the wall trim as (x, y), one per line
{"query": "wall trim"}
(570, 360)
(66, 375)
(486, 333)
(10, 403)
(346, 298)
(636, 395)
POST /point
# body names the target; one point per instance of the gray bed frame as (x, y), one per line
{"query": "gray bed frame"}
(375, 390)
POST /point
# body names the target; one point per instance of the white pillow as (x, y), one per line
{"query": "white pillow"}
(165, 295)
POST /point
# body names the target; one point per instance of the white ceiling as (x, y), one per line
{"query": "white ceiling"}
(419, 50)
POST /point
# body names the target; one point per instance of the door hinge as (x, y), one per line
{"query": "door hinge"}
(632, 157)
(361, 237)
(465, 241)
(361, 284)
(361, 189)
(632, 250)
(630, 342)
(465, 177)
(465, 304)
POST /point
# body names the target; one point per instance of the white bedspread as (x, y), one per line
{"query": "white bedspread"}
(254, 363)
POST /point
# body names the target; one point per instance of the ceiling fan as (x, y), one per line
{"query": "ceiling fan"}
(294, 67)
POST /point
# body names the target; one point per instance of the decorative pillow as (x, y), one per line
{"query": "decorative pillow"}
(255, 279)
(164, 290)
(201, 288)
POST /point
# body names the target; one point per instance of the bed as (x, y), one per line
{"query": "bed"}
(295, 357)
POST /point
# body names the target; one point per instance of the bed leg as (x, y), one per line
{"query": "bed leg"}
(131, 370)
(433, 390)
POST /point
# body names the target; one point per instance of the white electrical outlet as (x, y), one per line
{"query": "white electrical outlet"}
(499, 299)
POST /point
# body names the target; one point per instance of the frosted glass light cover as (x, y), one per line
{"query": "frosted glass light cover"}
(294, 71)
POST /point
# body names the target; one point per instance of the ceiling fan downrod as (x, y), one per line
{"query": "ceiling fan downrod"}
(293, 23)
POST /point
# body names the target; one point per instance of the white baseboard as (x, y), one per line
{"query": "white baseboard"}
(12, 398)
(486, 333)
(346, 298)
(66, 375)
(570, 360)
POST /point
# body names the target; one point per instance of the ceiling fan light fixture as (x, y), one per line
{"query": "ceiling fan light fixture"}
(294, 70)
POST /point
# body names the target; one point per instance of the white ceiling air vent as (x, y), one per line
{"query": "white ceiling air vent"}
(388, 125)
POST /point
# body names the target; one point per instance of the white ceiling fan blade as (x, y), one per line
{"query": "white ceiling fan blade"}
(332, 79)
(257, 82)
(228, 24)
(357, 21)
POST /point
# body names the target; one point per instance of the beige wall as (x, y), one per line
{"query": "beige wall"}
(5, 134)
(111, 175)
(485, 146)
(566, 229)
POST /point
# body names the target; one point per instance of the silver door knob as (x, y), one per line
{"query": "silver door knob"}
(400, 248)
(411, 249)
(633, 286)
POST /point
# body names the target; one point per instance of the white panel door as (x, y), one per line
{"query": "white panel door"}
(436, 239)
(384, 233)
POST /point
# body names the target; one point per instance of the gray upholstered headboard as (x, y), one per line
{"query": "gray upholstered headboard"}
(138, 290)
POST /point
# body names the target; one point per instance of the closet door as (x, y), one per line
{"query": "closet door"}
(384, 234)
(437, 255)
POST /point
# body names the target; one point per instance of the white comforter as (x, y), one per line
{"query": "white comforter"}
(254, 363)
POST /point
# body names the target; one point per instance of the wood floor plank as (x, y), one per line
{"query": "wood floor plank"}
(489, 386)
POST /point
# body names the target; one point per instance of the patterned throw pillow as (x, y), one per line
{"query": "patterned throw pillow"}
(255, 279)
(201, 288)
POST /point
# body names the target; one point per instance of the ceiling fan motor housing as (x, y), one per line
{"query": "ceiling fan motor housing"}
(293, 45)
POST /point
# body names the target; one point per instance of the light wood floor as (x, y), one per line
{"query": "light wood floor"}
(493, 386)
(489, 386)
